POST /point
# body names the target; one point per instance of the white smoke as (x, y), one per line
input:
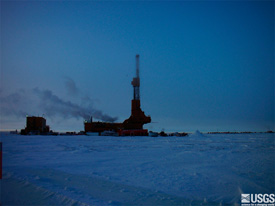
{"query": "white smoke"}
(37, 101)
(52, 105)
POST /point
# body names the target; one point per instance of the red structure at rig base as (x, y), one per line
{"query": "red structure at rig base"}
(133, 126)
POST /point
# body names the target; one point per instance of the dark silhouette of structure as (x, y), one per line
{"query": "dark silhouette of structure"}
(35, 125)
(137, 118)
(131, 126)
(99, 127)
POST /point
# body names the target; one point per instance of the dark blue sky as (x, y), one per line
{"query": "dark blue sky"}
(204, 65)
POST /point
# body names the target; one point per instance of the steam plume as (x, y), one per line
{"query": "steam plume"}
(71, 87)
(9, 105)
(53, 105)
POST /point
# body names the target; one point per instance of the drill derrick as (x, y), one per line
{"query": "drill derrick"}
(133, 125)
(137, 118)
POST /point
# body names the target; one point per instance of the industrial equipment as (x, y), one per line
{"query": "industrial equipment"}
(134, 124)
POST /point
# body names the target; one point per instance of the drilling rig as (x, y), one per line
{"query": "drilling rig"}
(137, 118)
(133, 125)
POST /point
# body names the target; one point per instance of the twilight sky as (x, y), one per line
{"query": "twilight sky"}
(206, 65)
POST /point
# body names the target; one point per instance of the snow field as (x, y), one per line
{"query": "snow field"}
(84, 170)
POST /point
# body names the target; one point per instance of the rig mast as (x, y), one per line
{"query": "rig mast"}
(131, 126)
(136, 80)
(137, 118)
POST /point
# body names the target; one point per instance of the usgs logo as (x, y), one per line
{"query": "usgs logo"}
(258, 198)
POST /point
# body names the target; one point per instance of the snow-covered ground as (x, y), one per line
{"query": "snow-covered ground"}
(84, 170)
